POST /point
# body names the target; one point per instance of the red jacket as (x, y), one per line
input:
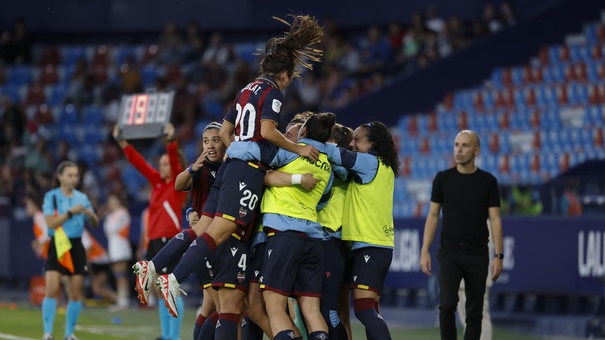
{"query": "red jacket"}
(165, 203)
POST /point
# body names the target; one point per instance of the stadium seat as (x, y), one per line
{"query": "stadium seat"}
(93, 115)
(19, 75)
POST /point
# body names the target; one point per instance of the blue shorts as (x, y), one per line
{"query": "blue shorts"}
(370, 268)
(236, 195)
(293, 265)
(204, 274)
(231, 264)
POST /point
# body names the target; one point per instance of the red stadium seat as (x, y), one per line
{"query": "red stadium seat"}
(48, 75)
(35, 95)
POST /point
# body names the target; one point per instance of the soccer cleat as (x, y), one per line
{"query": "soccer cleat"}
(145, 273)
(48, 336)
(71, 337)
(170, 289)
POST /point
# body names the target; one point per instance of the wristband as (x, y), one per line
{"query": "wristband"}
(189, 210)
(296, 178)
(69, 214)
(190, 170)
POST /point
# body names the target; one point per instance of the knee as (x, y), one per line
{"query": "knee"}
(256, 312)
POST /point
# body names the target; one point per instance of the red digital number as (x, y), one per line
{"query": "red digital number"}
(138, 110)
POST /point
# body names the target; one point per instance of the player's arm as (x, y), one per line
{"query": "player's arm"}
(278, 178)
(226, 133)
(430, 228)
(184, 180)
(496, 226)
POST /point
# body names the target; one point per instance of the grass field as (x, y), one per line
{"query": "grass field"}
(23, 322)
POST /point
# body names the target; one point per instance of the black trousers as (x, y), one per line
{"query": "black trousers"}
(452, 269)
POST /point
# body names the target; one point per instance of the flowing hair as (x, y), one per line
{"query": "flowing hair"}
(294, 49)
(383, 146)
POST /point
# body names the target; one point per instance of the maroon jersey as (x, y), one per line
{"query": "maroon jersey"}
(201, 182)
(258, 101)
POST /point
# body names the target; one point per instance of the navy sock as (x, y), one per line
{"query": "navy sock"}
(173, 249)
(250, 330)
(194, 257)
(320, 335)
(375, 326)
(199, 322)
(339, 332)
(288, 334)
(208, 329)
(226, 327)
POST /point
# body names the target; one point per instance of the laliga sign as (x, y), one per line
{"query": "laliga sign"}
(591, 249)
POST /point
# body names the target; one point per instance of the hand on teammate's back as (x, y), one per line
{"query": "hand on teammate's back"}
(308, 151)
(308, 182)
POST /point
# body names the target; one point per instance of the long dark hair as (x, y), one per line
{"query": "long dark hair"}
(60, 168)
(293, 49)
(383, 146)
(319, 126)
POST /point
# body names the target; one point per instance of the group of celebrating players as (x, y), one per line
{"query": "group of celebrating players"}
(306, 214)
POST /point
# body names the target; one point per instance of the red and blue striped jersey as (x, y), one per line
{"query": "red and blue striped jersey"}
(258, 101)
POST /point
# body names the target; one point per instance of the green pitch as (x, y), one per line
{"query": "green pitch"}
(25, 322)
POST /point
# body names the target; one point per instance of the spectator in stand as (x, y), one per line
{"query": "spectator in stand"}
(376, 52)
(570, 203)
(22, 43)
(491, 20)
(433, 21)
(525, 201)
(132, 81)
(169, 42)
(508, 14)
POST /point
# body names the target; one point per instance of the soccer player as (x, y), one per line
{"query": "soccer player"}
(368, 218)
(253, 117)
(293, 261)
(65, 212)
(165, 207)
(198, 178)
(335, 250)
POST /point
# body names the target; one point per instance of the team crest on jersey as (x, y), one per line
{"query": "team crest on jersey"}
(366, 257)
(276, 106)
(256, 272)
(233, 251)
(241, 277)
(242, 212)
(213, 173)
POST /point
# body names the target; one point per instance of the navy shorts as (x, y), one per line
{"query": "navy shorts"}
(204, 274)
(293, 265)
(256, 265)
(236, 195)
(78, 258)
(231, 264)
(370, 268)
(153, 248)
(335, 253)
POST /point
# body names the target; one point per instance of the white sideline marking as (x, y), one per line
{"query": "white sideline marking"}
(13, 337)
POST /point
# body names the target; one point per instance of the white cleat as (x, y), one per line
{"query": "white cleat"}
(145, 274)
(170, 289)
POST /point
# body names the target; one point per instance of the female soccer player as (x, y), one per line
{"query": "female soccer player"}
(368, 218)
(65, 212)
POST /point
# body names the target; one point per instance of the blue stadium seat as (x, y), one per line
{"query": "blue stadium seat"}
(93, 115)
(11, 92)
(55, 94)
(67, 114)
(71, 55)
(19, 75)
(148, 74)
(579, 52)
